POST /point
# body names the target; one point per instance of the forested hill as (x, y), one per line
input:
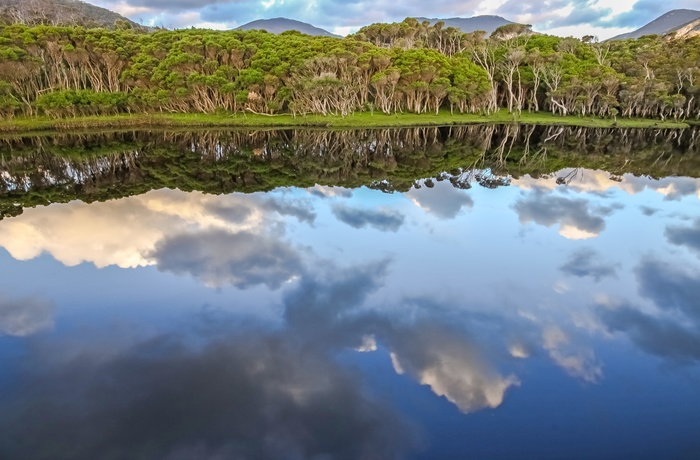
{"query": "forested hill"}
(61, 12)
(406, 67)
(486, 23)
(279, 25)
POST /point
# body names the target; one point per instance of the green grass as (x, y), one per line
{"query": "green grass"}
(357, 120)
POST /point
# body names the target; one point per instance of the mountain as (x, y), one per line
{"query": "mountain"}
(668, 23)
(689, 30)
(279, 25)
(61, 12)
(467, 25)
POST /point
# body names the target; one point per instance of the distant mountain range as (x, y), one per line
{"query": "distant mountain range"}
(467, 25)
(668, 23)
(279, 25)
(61, 12)
(680, 23)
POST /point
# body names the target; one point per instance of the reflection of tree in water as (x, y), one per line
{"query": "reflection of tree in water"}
(98, 166)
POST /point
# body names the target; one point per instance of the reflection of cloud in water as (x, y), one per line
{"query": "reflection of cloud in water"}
(673, 331)
(685, 236)
(220, 258)
(326, 310)
(445, 360)
(575, 360)
(443, 200)
(586, 180)
(385, 220)
(122, 232)
(575, 218)
(322, 191)
(253, 396)
(23, 317)
(587, 262)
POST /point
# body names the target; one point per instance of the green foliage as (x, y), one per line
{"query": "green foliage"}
(61, 167)
(400, 67)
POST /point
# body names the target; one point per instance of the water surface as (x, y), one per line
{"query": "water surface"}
(475, 292)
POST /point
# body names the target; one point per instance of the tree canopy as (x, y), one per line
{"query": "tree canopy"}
(401, 67)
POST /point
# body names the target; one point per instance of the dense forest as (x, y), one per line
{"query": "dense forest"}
(39, 170)
(403, 67)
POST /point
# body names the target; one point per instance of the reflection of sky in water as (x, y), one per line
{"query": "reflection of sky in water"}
(540, 320)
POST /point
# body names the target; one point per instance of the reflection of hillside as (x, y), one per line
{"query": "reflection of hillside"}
(41, 170)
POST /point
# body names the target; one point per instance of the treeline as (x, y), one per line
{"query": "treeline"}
(40, 170)
(405, 67)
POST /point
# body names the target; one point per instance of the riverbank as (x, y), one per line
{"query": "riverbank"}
(357, 120)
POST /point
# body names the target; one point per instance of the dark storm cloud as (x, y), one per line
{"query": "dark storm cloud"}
(22, 317)
(258, 396)
(675, 333)
(587, 262)
(383, 219)
(685, 236)
(545, 209)
(221, 258)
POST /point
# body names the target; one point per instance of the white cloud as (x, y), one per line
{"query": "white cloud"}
(451, 366)
(576, 361)
(123, 232)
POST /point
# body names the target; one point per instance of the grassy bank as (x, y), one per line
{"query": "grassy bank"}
(357, 120)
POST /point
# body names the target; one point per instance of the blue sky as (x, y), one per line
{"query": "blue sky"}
(604, 18)
(439, 319)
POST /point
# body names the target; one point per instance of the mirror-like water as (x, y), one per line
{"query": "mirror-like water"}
(474, 292)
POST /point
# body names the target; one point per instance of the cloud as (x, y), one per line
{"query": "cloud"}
(573, 216)
(658, 336)
(444, 359)
(685, 236)
(384, 220)
(327, 311)
(586, 262)
(220, 258)
(25, 316)
(251, 396)
(443, 201)
(601, 182)
(321, 305)
(562, 16)
(670, 287)
(124, 232)
(577, 361)
(673, 332)
(300, 210)
(322, 191)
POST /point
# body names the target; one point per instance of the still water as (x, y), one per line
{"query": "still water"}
(475, 292)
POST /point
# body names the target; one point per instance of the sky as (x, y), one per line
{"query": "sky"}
(558, 312)
(603, 18)
(331, 322)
